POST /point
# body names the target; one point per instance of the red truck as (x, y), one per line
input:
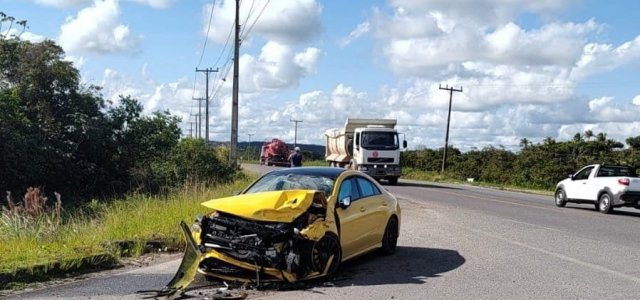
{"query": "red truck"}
(275, 153)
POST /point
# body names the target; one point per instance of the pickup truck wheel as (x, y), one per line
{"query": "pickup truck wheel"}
(604, 203)
(393, 180)
(561, 198)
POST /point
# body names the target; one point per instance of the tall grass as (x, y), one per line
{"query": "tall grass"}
(33, 242)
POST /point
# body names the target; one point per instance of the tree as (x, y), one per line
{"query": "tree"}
(588, 134)
(634, 142)
(578, 138)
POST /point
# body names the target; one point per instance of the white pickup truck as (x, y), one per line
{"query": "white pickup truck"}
(606, 186)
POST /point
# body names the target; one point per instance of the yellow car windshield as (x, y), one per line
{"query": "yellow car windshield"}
(278, 182)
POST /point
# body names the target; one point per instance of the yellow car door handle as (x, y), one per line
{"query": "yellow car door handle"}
(362, 209)
(384, 203)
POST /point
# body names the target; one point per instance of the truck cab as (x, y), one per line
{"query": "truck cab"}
(376, 152)
(368, 145)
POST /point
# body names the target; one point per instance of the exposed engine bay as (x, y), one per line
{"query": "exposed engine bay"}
(278, 245)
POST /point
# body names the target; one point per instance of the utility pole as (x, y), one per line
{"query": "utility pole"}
(233, 151)
(199, 117)
(250, 135)
(295, 133)
(190, 129)
(206, 71)
(446, 139)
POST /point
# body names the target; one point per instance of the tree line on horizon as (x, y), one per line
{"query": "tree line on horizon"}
(539, 165)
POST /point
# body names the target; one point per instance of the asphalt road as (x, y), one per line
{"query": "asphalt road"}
(456, 242)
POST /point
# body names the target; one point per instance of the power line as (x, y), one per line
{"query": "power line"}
(206, 37)
(225, 44)
(256, 20)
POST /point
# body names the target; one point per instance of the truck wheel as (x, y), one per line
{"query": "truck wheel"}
(561, 198)
(393, 180)
(605, 204)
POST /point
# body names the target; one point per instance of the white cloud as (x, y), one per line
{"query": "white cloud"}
(484, 13)
(286, 22)
(97, 30)
(597, 58)
(75, 3)
(62, 3)
(362, 29)
(157, 3)
(636, 100)
(277, 67)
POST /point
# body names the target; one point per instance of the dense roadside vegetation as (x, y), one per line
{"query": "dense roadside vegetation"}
(535, 166)
(86, 179)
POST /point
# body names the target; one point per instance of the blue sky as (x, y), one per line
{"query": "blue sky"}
(529, 69)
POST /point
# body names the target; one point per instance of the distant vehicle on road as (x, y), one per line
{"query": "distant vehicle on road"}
(275, 153)
(368, 145)
(605, 186)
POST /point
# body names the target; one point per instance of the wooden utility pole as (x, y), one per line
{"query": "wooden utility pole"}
(199, 117)
(295, 133)
(446, 139)
(206, 71)
(250, 135)
(233, 149)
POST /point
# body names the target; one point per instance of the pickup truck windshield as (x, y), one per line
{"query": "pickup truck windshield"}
(380, 140)
(615, 171)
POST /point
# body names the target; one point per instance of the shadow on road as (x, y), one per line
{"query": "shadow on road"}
(409, 265)
(426, 185)
(615, 212)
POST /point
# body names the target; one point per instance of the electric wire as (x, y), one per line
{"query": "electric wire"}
(256, 20)
(206, 37)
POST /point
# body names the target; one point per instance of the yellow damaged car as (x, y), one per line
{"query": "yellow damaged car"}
(289, 225)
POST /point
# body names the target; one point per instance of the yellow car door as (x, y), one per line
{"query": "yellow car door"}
(352, 224)
(376, 211)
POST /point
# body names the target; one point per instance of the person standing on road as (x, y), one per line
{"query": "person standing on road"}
(296, 158)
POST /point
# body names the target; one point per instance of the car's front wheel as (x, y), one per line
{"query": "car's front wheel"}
(605, 204)
(323, 250)
(390, 238)
(561, 198)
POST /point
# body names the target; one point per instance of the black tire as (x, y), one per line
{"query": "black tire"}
(393, 180)
(322, 250)
(604, 203)
(390, 237)
(560, 198)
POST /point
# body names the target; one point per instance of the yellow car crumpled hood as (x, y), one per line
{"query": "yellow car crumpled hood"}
(273, 206)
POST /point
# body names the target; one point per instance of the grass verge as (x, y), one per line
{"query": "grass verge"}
(97, 236)
(413, 174)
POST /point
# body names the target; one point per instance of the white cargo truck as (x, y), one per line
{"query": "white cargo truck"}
(368, 145)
